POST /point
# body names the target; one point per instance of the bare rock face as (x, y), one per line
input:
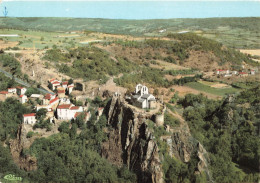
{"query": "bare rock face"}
(132, 143)
(17, 145)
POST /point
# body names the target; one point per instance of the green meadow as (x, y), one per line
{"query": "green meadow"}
(215, 91)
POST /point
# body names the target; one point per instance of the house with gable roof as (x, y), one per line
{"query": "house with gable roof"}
(29, 118)
(68, 111)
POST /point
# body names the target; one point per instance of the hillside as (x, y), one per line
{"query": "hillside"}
(233, 32)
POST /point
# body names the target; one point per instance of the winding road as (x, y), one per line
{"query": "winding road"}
(42, 90)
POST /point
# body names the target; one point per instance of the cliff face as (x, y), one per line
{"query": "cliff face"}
(17, 145)
(132, 143)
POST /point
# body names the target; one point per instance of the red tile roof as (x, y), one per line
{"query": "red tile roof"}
(48, 96)
(3, 92)
(21, 96)
(19, 87)
(29, 115)
(61, 91)
(64, 106)
(52, 79)
(65, 83)
(56, 82)
(11, 88)
(242, 73)
(54, 100)
(74, 108)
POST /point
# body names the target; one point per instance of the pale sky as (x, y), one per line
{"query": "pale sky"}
(128, 0)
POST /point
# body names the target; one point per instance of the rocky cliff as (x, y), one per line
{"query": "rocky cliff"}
(132, 143)
(17, 146)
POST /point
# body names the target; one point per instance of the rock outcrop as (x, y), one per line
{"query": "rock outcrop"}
(17, 146)
(132, 143)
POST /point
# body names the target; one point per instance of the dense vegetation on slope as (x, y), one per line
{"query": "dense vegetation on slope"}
(92, 63)
(11, 117)
(6, 82)
(229, 131)
(234, 32)
(11, 64)
(181, 45)
(63, 157)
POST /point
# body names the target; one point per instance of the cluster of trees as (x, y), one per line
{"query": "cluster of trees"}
(10, 64)
(180, 72)
(91, 63)
(75, 157)
(55, 54)
(195, 42)
(11, 117)
(6, 82)
(229, 131)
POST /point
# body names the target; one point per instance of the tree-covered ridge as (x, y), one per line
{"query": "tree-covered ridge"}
(229, 131)
(181, 45)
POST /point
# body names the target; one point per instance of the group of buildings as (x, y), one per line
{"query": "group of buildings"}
(17, 92)
(57, 105)
(228, 73)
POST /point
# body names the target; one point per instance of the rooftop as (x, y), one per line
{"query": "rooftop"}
(29, 115)
(64, 106)
(54, 100)
(3, 92)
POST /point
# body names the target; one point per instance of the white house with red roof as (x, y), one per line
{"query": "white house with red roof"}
(243, 74)
(12, 90)
(252, 72)
(70, 88)
(54, 103)
(23, 99)
(21, 90)
(64, 84)
(54, 83)
(29, 118)
(4, 95)
(61, 92)
(68, 111)
(47, 98)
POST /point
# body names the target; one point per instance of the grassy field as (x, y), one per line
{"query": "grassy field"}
(215, 91)
(41, 39)
(233, 32)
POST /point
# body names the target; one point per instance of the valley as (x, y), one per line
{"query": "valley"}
(197, 123)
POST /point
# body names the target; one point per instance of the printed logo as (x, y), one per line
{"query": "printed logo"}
(12, 177)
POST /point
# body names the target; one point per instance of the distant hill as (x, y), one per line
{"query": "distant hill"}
(233, 32)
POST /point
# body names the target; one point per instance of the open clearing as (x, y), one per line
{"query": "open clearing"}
(214, 84)
(251, 52)
(212, 90)
(167, 66)
(183, 90)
